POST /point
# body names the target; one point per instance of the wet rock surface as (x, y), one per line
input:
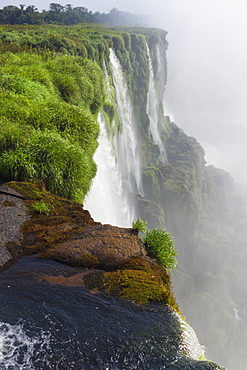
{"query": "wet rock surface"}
(67, 234)
(102, 258)
(13, 214)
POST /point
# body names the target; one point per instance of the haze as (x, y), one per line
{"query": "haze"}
(206, 91)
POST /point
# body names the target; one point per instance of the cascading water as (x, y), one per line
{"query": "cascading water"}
(191, 345)
(152, 108)
(107, 200)
(54, 326)
(126, 143)
(17, 348)
(119, 167)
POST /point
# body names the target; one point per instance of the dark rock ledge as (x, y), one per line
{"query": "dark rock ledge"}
(107, 259)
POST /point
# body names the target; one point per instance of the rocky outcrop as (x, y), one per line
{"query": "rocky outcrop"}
(107, 258)
(99, 245)
(12, 215)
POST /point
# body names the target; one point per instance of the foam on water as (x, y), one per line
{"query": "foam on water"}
(17, 347)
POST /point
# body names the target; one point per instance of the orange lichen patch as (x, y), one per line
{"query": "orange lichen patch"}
(74, 280)
(95, 291)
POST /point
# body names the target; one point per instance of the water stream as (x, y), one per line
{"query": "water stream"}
(119, 167)
(153, 109)
(107, 201)
(54, 326)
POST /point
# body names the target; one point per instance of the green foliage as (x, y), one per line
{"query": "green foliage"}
(159, 245)
(42, 207)
(48, 126)
(139, 225)
(64, 167)
(11, 135)
(16, 164)
(67, 15)
(20, 85)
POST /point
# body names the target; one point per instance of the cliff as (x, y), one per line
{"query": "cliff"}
(54, 82)
(104, 259)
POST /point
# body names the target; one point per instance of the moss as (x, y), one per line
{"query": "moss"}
(31, 190)
(109, 109)
(45, 229)
(142, 282)
(94, 279)
(42, 207)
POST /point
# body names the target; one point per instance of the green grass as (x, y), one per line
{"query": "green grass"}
(160, 245)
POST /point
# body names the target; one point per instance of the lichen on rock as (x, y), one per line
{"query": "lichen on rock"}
(113, 259)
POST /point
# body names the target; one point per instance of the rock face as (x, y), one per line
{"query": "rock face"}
(12, 215)
(67, 234)
(105, 246)
(107, 259)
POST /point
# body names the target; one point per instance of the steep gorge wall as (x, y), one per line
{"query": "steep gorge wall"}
(205, 211)
(199, 204)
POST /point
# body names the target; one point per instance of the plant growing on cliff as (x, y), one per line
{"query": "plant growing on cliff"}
(139, 225)
(160, 245)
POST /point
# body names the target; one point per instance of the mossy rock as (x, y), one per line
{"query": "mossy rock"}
(142, 282)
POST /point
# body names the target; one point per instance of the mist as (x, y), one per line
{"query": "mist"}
(206, 90)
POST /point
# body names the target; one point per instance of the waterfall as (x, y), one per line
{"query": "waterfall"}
(190, 342)
(107, 200)
(153, 109)
(118, 178)
(128, 157)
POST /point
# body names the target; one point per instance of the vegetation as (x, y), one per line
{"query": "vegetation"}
(52, 87)
(48, 120)
(159, 245)
(141, 282)
(42, 207)
(139, 225)
(66, 15)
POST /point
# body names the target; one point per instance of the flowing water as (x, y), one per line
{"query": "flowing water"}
(119, 169)
(107, 200)
(152, 108)
(54, 326)
(128, 156)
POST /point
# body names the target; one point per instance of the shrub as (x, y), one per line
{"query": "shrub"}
(159, 245)
(139, 225)
(16, 165)
(64, 167)
(11, 135)
(20, 85)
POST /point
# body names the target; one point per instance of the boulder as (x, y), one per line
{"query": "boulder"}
(103, 246)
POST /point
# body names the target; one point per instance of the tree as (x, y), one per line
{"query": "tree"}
(56, 8)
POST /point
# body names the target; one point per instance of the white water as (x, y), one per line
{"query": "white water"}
(152, 107)
(118, 178)
(107, 201)
(17, 348)
(191, 345)
(128, 157)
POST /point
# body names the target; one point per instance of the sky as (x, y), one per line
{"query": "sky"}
(206, 91)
